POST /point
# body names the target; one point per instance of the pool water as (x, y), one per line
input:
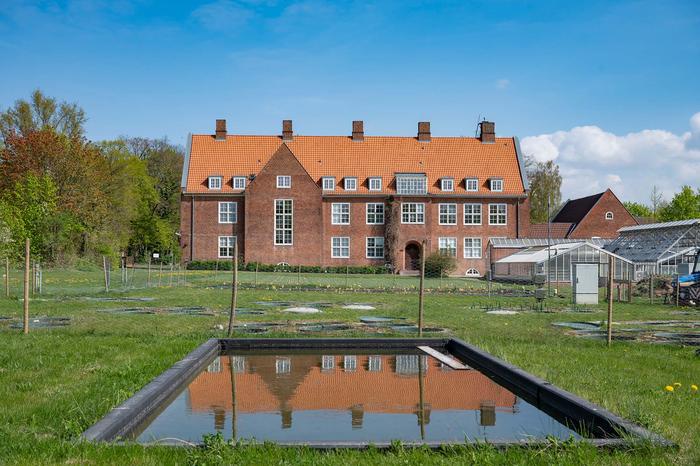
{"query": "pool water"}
(346, 396)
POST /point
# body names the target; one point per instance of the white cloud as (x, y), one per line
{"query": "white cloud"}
(502, 83)
(591, 160)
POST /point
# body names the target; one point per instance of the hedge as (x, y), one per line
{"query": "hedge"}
(251, 266)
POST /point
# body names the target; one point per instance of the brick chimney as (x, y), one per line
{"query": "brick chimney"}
(424, 131)
(220, 130)
(287, 133)
(488, 132)
(358, 130)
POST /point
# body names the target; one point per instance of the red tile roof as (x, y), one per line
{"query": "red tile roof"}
(340, 157)
(556, 230)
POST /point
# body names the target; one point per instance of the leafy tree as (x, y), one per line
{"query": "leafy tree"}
(41, 112)
(638, 209)
(684, 205)
(545, 187)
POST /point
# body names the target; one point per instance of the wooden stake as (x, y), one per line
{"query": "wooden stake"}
(7, 277)
(299, 275)
(234, 291)
(421, 289)
(104, 270)
(678, 288)
(651, 289)
(170, 279)
(160, 273)
(256, 274)
(611, 273)
(148, 283)
(26, 286)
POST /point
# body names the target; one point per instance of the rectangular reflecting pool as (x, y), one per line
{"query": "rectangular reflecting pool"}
(350, 393)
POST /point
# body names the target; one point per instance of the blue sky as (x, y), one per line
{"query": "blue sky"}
(538, 69)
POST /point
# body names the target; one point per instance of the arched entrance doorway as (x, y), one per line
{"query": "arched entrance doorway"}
(412, 256)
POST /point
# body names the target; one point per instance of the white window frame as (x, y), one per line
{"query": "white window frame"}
(372, 180)
(284, 228)
(472, 205)
(447, 184)
(447, 214)
(375, 213)
(475, 181)
(229, 245)
(326, 181)
(340, 247)
(283, 365)
(215, 182)
(475, 272)
(609, 215)
(233, 213)
(350, 183)
(327, 363)
(374, 363)
(349, 363)
(472, 248)
(374, 247)
(418, 213)
(343, 218)
(496, 185)
(504, 214)
(445, 243)
(238, 180)
(284, 181)
(411, 184)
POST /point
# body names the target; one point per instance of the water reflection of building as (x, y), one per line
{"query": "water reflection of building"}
(356, 384)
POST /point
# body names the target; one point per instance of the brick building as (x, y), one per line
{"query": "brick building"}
(332, 200)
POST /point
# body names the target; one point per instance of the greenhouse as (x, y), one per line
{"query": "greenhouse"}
(659, 248)
(557, 261)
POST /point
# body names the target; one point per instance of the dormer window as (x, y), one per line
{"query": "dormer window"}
(411, 183)
(447, 184)
(239, 182)
(350, 184)
(328, 183)
(496, 184)
(214, 182)
(609, 216)
(284, 181)
(471, 184)
(375, 183)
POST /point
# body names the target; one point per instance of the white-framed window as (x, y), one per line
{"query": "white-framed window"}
(448, 246)
(283, 365)
(350, 184)
(349, 363)
(497, 214)
(447, 184)
(412, 212)
(472, 272)
(284, 221)
(214, 182)
(472, 214)
(327, 363)
(375, 247)
(239, 182)
(328, 183)
(228, 212)
(609, 216)
(374, 363)
(215, 365)
(238, 364)
(226, 246)
(375, 183)
(471, 184)
(496, 184)
(284, 181)
(340, 247)
(374, 213)
(340, 213)
(448, 214)
(411, 184)
(472, 248)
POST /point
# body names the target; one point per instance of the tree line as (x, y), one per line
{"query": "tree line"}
(79, 199)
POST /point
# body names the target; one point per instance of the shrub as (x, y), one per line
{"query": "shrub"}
(225, 264)
(438, 264)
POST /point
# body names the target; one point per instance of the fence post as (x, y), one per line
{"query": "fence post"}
(148, 283)
(678, 288)
(651, 288)
(299, 275)
(26, 286)
(40, 278)
(234, 290)
(7, 277)
(347, 273)
(160, 273)
(170, 279)
(629, 287)
(421, 289)
(256, 274)
(611, 272)
(105, 269)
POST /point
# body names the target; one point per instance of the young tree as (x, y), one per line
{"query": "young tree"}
(657, 201)
(638, 209)
(684, 205)
(42, 112)
(545, 187)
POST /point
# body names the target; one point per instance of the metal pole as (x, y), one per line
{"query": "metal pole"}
(26, 286)
(421, 289)
(611, 271)
(549, 246)
(234, 290)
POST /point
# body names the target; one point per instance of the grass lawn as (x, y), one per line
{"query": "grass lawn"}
(54, 383)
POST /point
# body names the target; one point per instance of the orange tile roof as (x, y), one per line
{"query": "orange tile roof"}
(556, 230)
(340, 157)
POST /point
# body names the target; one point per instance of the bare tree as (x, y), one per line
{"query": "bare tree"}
(657, 200)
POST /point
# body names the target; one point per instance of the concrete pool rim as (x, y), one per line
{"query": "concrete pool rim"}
(558, 403)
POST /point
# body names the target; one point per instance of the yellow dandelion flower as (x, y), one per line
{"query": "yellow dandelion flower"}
(677, 384)
(694, 388)
(669, 388)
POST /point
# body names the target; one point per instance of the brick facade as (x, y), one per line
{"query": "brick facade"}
(595, 223)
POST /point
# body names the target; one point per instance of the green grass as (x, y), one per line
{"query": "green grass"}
(54, 383)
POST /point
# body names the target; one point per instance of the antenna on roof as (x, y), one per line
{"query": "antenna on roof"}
(478, 120)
